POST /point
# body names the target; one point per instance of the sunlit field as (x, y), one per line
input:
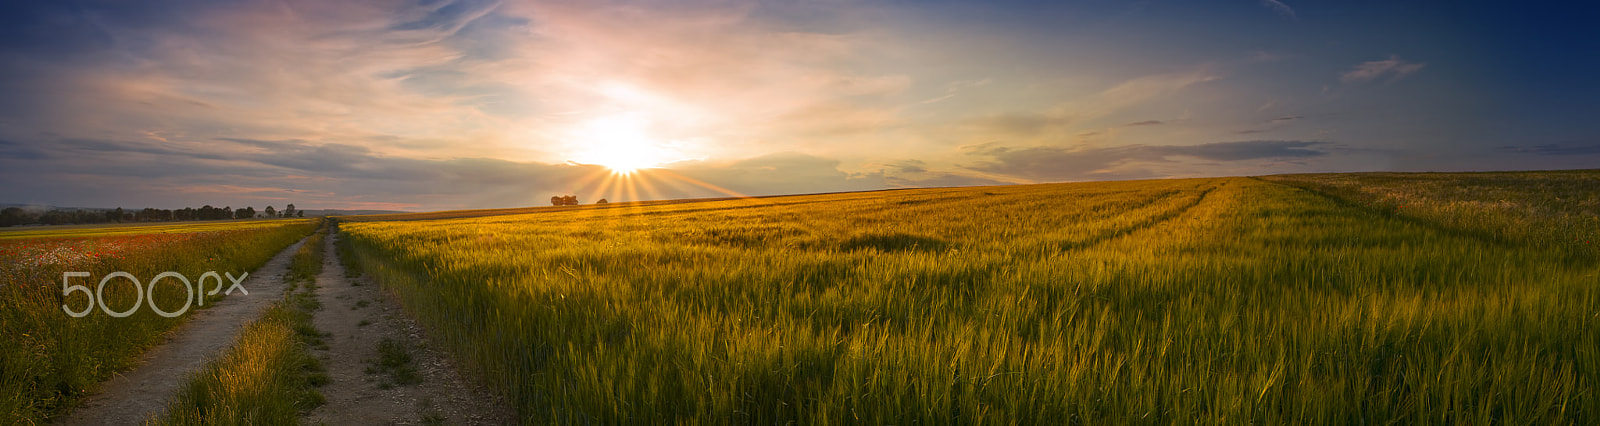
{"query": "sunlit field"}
(50, 359)
(1368, 300)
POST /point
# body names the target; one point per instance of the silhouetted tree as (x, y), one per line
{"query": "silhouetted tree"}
(288, 211)
(300, 213)
(13, 216)
(270, 212)
(602, 201)
(57, 217)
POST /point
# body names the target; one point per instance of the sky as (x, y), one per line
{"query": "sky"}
(438, 104)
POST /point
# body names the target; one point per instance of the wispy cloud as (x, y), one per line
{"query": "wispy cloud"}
(952, 88)
(347, 176)
(1555, 149)
(475, 103)
(1142, 89)
(1394, 68)
(1280, 8)
(1124, 95)
(1124, 162)
(910, 166)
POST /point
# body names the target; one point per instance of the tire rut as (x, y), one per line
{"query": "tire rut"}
(1151, 222)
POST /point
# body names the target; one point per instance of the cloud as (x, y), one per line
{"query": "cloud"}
(13, 150)
(1018, 123)
(1280, 8)
(428, 102)
(1127, 94)
(913, 173)
(475, 103)
(1142, 89)
(1081, 163)
(1394, 68)
(954, 87)
(313, 174)
(910, 166)
(1245, 150)
(777, 173)
(942, 179)
(468, 77)
(1284, 118)
(1554, 149)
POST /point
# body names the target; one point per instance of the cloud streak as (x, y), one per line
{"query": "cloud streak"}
(1126, 162)
(483, 103)
(1555, 149)
(1393, 68)
(1282, 9)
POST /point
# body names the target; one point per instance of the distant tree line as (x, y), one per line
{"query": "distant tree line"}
(14, 216)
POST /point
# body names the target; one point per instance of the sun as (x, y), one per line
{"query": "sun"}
(619, 142)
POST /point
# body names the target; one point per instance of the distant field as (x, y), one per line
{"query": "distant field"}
(110, 229)
(463, 214)
(1331, 299)
(50, 360)
(460, 214)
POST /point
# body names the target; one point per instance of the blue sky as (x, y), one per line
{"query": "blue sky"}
(468, 104)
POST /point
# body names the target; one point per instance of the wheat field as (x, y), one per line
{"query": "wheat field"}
(1214, 301)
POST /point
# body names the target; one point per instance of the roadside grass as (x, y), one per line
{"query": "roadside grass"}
(51, 360)
(268, 376)
(352, 269)
(1216, 301)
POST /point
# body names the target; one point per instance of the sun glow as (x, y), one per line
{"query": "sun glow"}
(621, 143)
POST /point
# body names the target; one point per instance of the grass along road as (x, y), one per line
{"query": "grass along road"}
(139, 394)
(268, 375)
(53, 360)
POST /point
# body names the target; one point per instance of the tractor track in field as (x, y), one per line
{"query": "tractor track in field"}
(1481, 237)
(356, 316)
(1148, 223)
(139, 394)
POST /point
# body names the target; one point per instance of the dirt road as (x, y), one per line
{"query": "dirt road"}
(360, 316)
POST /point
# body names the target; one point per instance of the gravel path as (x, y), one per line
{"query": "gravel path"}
(359, 314)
